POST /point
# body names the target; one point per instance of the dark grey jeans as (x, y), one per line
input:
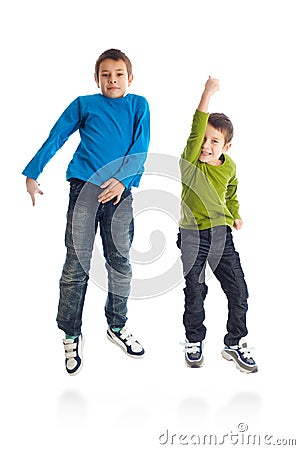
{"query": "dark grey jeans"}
(84, 216)
(215, 247)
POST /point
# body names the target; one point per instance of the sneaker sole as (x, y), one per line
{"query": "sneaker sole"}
(194, 364)
(122, 346)
(242, 368)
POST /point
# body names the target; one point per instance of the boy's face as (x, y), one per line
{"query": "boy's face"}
(213, 146)
(113, 78)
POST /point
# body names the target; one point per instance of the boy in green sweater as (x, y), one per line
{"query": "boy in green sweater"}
(209, 211)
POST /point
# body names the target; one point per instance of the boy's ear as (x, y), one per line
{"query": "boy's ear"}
(96, 79)
(226, 147)
(130, 79)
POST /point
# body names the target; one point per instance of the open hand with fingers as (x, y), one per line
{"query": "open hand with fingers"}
(33, 188)
(112, 188)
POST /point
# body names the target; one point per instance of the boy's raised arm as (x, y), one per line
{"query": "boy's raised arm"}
(211, 87)
(192, 150)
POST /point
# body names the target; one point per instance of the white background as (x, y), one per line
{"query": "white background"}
(48, 55)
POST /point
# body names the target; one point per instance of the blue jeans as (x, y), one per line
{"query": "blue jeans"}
(84, 216)
(215, 247)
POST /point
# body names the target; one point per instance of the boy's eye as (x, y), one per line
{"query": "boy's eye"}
(120, 74)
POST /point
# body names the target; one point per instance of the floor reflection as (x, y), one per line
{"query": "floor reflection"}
(241, 406)
(193, 407)
(72, 403)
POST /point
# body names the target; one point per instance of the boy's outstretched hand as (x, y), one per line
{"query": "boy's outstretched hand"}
(112, 188)
(210, 88)
(32, 187)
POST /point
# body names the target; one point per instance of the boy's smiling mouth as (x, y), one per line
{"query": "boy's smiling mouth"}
(203, 152)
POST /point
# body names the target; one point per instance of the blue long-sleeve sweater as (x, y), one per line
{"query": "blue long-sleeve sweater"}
(114, 132)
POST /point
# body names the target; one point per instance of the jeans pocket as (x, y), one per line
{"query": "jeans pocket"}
(76, 186)
(240, 281)
(238, 271)
(126, 194)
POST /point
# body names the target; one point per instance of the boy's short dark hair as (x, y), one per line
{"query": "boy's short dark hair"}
(223, 124)
(116, 55)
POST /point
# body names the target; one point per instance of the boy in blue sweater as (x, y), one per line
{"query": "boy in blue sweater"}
(114, 129)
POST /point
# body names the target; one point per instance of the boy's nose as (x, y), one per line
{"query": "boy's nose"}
(112, 80)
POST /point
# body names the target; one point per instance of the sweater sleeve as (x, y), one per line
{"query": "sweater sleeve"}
(192, 150)
(66, 125)
(232, 202)
(191, 153)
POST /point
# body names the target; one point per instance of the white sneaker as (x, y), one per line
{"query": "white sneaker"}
(193, 354)
(241, 355)
(126, 341)
(73, 354)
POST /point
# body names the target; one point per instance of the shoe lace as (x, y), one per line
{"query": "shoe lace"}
(70, 348)
(191, 347)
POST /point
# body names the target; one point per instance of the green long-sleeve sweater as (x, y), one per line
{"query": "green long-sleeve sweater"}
(209, 193)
